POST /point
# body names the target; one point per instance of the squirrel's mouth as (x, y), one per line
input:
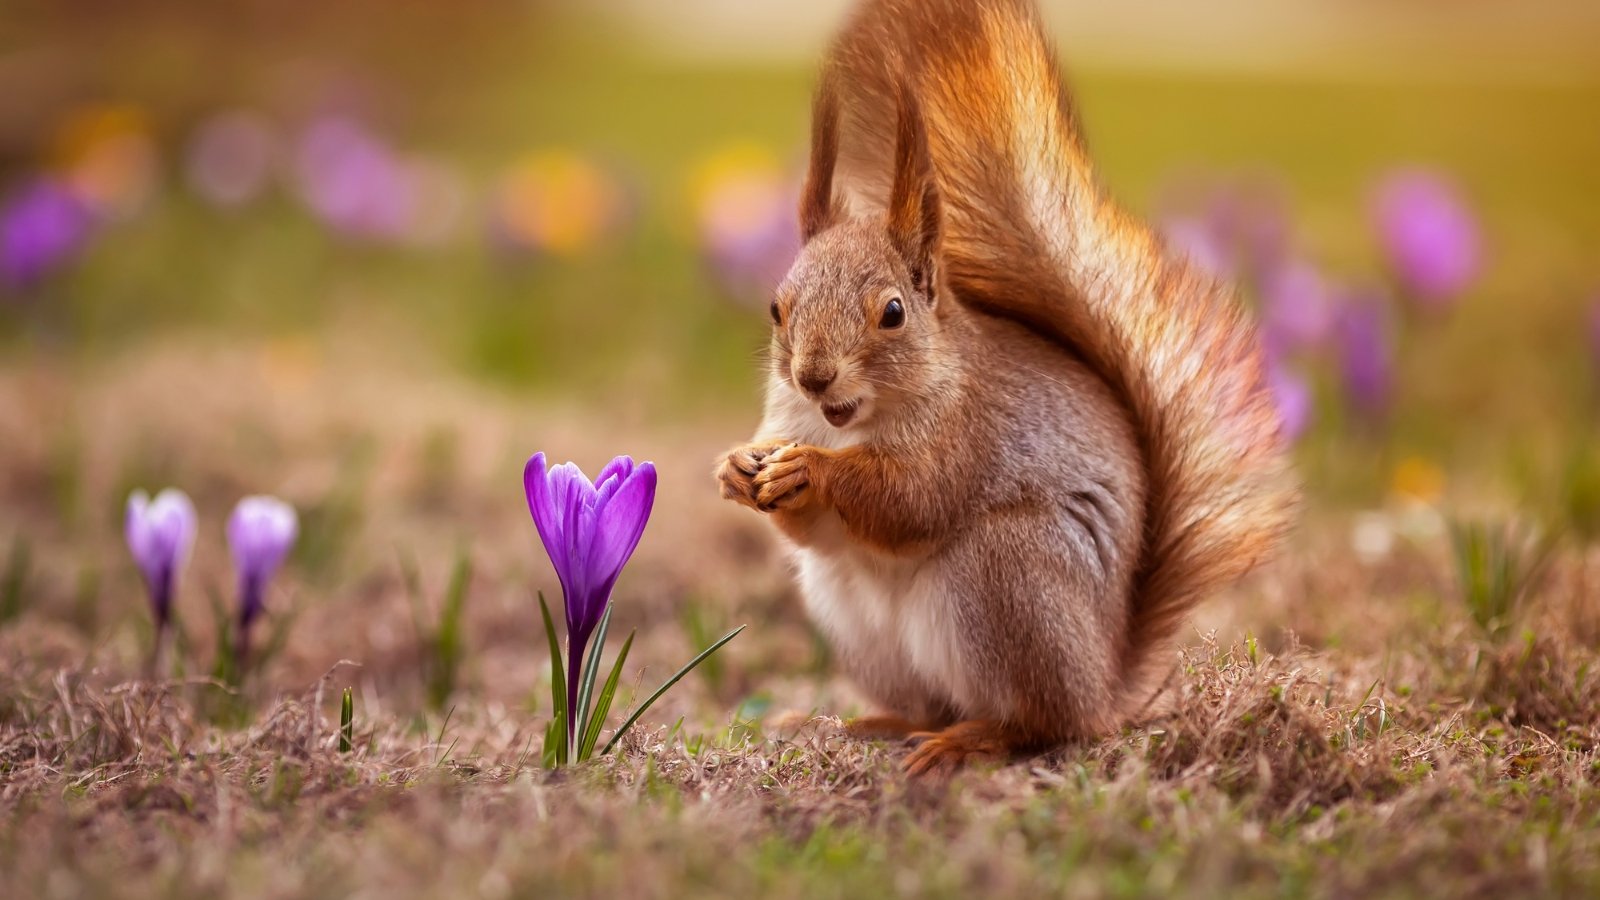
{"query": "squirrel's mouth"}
(840, 414)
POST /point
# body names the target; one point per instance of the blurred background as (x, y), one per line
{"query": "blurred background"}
(370, 254)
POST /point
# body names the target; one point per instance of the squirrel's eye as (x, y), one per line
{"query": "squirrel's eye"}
(777, 317)
(894, 315)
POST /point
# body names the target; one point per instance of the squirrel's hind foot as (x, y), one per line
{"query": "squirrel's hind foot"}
(940, 754)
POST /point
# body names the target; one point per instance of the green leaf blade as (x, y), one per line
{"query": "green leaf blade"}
(602, 708)
(558, 680)
(666, 686)
(591, 670)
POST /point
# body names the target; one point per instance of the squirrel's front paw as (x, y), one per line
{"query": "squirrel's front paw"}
(737, 471)
(787, 479)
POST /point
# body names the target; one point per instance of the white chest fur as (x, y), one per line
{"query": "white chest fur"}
(890, 620)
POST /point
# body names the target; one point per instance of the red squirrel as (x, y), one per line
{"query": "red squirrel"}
(1011, 440)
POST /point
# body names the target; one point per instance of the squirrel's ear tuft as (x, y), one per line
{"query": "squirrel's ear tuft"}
(914, 199)
(817, 204)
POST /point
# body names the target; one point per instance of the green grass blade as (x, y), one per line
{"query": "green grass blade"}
(591, 670)
(347, 721)
(446, 643)
(555, 742)
(669, 683)
(15, 580)
(602, 706)
(558, 677)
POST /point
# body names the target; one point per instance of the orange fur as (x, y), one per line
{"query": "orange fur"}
(1004, 500)
(1030, 234)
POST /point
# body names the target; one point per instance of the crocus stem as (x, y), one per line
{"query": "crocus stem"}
(158, 652)
(248, 608)
(574, 673)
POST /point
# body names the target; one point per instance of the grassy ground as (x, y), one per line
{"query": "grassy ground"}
(1343, 725)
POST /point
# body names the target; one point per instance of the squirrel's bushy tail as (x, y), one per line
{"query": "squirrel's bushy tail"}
(1029, 235)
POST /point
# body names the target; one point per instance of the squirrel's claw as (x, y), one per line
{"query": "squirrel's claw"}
(736, 472)
(784, 479)
(940, 754)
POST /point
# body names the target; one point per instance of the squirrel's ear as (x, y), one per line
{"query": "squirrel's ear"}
(816, 198)
(914, 199)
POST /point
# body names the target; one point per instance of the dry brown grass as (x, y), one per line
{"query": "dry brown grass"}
(1340, 728)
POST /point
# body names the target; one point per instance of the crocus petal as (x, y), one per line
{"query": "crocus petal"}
(137, 532)
(580, 524)
(547, 515)
(174, 520)
(612, 476)
(260, 532)
(621, 524)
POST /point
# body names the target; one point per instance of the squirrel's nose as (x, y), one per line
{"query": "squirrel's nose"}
(815, 380)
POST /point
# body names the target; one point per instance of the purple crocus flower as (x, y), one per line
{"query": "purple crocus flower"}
(589, 530)
(260, 532)
(1366, 355)
(160, 536)
(1429, 235)
(43, 226)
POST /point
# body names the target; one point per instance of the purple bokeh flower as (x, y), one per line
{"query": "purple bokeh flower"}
(232, 158)
(744, 204)
(43, 227)
(160, 535)
(353, 181)
(1292, 397)
(589, 530)
(749, 234)
(1296, 306)
(1203, 246)
(1231, 229)
(1366, 355)
(1250, 217)
(261, 531)
(1429, 235)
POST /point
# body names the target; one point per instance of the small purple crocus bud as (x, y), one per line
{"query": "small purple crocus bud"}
(1429, 235)
(160, 536)
(43, 226)
(1366, 355)
(260, 532)
(589, 530)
